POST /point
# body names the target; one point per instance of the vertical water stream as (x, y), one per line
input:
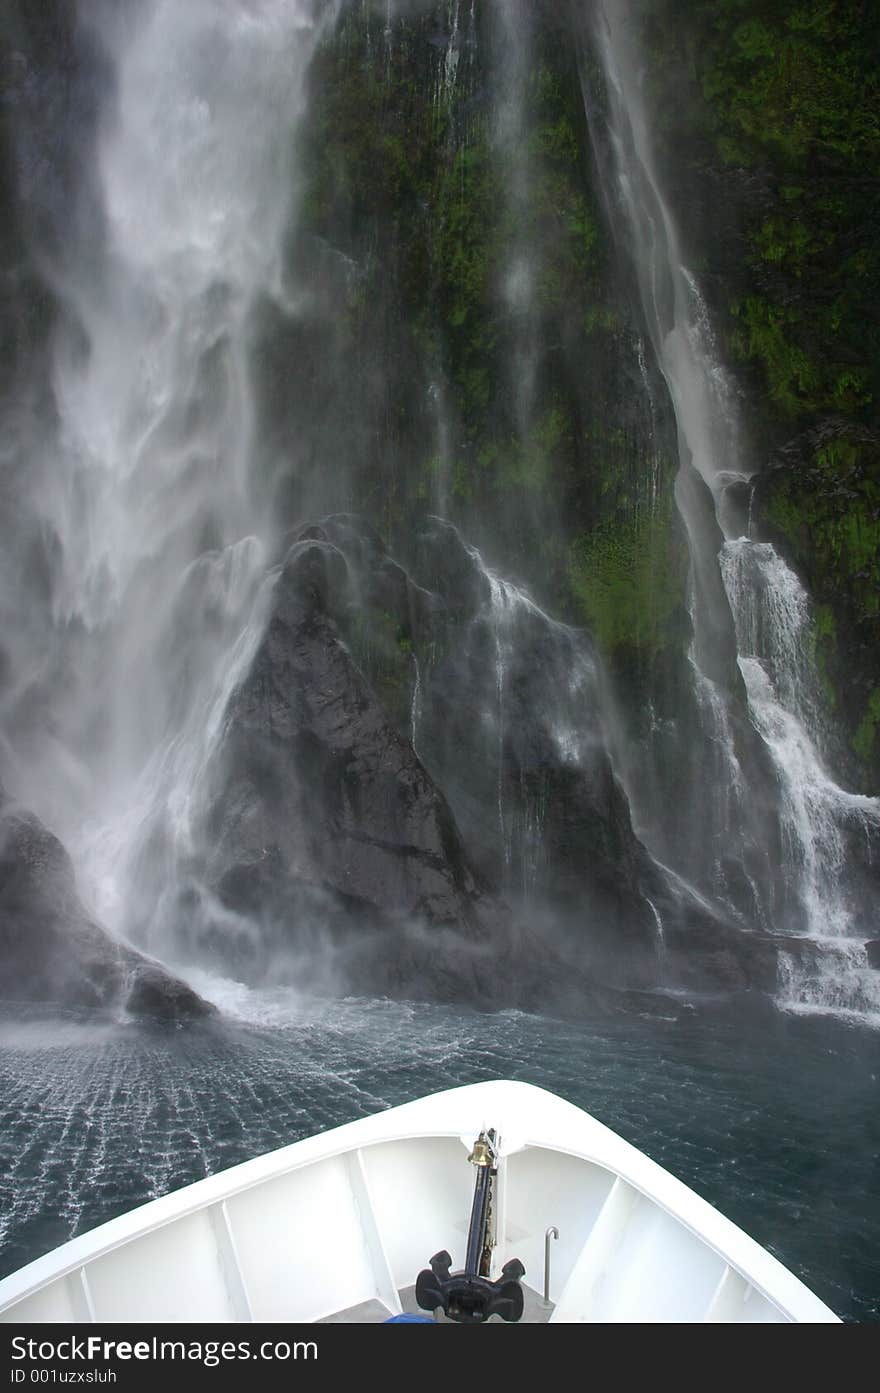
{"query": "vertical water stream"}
(150, 495)
(747, 606)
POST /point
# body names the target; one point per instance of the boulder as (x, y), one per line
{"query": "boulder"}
(413, 794)
(52, 953)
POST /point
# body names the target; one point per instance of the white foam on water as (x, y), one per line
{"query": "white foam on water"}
(263, 1006)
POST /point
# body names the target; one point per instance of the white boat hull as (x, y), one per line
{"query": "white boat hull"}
(343, 1222)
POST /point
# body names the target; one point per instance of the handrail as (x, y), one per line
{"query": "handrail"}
(552, 1232)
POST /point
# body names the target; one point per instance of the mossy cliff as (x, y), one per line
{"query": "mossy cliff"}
(769, 121)
(516, 408)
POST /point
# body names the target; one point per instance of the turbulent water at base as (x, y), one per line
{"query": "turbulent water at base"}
(771, 1118)
(746, 596)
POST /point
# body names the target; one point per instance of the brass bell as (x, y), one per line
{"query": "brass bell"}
(482, 1154)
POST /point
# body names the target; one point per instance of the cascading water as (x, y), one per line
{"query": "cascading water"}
(452, 72)
(512, 41)
(745, 602)
(718, 822)
(534, 719)
(155, 496)
(827, 831)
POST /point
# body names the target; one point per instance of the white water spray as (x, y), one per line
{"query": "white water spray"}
(155, 494)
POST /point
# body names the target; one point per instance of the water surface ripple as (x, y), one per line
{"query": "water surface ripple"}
(772, 1118)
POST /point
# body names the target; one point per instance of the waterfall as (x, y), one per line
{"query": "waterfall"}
(826, 829)
(150, 495)
(416, 703)
(503, 600)
(452, 75)
(511, 138)
(534, 720)
(744, 599)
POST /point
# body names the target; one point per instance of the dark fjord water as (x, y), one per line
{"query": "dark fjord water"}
(771, 1117)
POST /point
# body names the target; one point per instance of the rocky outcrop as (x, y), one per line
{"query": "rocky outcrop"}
(512, 726)
(323, 821)
(413, 794)
(52, 953)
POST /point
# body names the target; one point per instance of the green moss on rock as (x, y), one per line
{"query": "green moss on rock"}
(769, 115)
(828, 511)
(628, 579)
(866, 741)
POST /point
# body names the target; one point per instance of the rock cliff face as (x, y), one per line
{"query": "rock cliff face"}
(52, 953)
(320, 810)
(767, 121)
(489, 365)
(413, 794)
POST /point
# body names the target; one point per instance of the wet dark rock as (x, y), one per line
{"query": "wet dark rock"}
(154, 994)
(872, 949)
(706, 951)
(321, 811)
(412, 795)
(735, 505)
(493, 860)
(52, 953)
(450, 567)
(714, 637)
(513, 731)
